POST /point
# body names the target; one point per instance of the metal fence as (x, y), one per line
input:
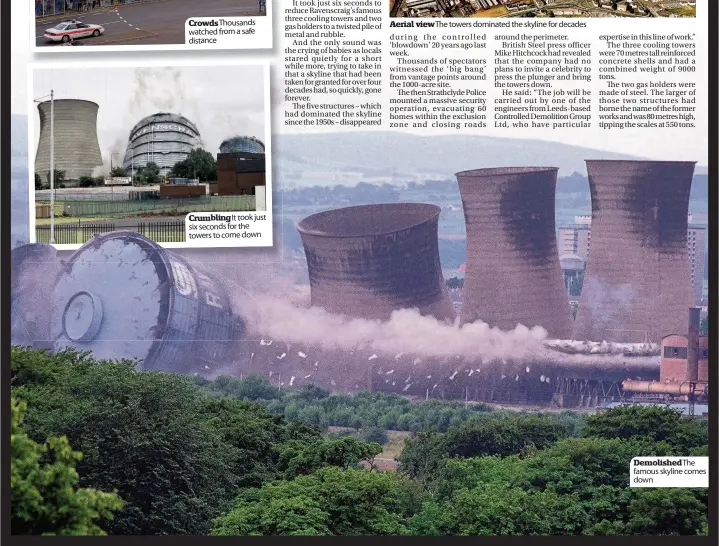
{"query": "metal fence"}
(170, 231)
(100, 194)
(100, 209)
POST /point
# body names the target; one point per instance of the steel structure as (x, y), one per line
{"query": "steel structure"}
(513, 272)
(370, 260)
(123, 296)
(164, 139)
(637, 284)
(242, 144)
(76, 147)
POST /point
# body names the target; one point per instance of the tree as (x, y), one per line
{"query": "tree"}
(345, 452)
(374, 434)
(148, 175)
(171, 454)
(58, 179)
(87, 182)
(329, 502)
(118, 172)
(38, 182)
(44, 492)
(199, 164)
(656, 423)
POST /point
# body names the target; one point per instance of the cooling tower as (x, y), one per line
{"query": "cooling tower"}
(164, 139)
(123, 296)
(637, 285)
(77, 150)
(513, 274)
(242, 144)
(367, 261)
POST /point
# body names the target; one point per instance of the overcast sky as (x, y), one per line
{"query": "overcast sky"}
(203, 99)
(221, 101)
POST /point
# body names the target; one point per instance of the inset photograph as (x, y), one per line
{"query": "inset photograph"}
(543, 8)
(140, 148)
(129, 22)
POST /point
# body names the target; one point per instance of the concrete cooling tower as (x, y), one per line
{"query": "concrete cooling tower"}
(637, 285)
(242, 144)
(513, 273)
(370, 260)
(77, 150)
(164, 139)
(123, 296)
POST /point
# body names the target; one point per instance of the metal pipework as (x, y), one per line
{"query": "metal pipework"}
(657, 387)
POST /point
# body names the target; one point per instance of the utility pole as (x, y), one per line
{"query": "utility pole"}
(52, 166)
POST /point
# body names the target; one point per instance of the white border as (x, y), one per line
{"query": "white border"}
(41, 50)
(32, 112)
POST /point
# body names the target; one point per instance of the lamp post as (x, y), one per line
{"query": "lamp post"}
(52, 162)
(111, 156)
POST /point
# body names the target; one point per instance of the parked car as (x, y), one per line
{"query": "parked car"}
(67, 30)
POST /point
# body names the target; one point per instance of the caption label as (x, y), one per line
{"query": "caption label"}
(215, 229)
(229, 32)
(669, 472)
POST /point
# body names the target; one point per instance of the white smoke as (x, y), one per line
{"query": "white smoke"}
(275, 308)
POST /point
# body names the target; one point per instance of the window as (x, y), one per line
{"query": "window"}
(675, 352)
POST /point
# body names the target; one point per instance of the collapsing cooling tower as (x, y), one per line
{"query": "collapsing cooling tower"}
(367, 261)
(637, 285)
(77, 150)
(34, 269)
(513, 273)
(123, 296)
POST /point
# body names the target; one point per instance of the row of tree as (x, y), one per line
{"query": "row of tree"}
(199, 164)
(165, 454)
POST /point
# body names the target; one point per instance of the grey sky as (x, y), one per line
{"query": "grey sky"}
(222, 101)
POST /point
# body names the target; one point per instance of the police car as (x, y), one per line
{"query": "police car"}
(67, 30)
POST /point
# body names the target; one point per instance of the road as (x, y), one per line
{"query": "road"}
(151, 23)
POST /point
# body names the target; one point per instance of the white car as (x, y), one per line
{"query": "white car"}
(63, 32)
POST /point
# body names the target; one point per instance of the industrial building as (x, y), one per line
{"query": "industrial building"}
(370, 260)
(238, 173)
(164, 139)
(76, 147)
(242, 144)
(513, 273)
(576, 238)
(684, 369)
(637, 283)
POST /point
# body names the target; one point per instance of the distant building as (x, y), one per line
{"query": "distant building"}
(239, 173)
(576, 239)
(696, 245)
